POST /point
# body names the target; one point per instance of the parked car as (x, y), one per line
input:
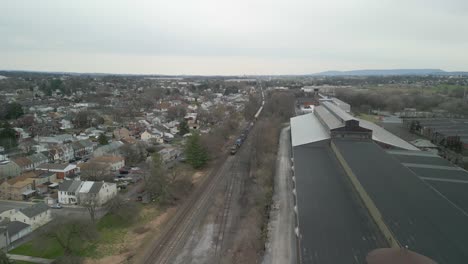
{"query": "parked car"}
(56, 206)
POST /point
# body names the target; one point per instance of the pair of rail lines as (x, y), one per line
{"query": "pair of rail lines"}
(196, 205)
(178, 229)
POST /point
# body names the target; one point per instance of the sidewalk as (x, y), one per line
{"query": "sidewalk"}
(30, 259)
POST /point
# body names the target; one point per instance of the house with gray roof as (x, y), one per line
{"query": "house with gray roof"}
(9, 169)
(68, 191)
(17, 230)
(35, 215)
(76, 192)
(38, 159)
(111, 148)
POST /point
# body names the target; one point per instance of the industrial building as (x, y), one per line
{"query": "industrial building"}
(359, 187)
(451, 134)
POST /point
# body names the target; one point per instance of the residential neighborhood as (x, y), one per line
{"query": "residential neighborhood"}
(76, 150)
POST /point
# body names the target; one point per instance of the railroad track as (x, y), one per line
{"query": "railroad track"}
(224, 213)
(182, 223)
(234, 186)
(176, 233)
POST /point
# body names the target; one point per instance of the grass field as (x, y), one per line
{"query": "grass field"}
(370, 118)
(52, 251)
(111, 230)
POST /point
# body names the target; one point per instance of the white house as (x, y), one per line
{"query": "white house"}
(35, 215)
(68, 192)
(101, 192)
(76, 192)
(65, 124)
(145, 136)
(168, 154)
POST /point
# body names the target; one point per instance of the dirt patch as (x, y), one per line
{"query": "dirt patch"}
(140, 230)
(197, 176)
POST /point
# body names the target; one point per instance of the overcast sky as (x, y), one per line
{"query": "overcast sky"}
(232, 37)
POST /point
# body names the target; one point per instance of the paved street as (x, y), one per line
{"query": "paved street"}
(8, 205)
(281, 248)
(77, 212)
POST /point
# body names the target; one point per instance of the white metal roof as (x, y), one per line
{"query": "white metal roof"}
(307, 129)
(330, 120)
(337, 111)
(382, 135)
(86, 186)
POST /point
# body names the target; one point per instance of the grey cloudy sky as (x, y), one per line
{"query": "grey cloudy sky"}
(233, 36)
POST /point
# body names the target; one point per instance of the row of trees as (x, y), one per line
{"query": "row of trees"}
(389, 99)
(86, 119)
(394, 100)
(57, 84)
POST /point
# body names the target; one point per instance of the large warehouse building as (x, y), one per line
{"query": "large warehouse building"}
(359, 187)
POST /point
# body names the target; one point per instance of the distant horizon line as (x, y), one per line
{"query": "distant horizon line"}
(326, 72)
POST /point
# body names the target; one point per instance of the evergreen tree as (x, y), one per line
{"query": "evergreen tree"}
(102, 139)
(8, 137)
(183, 128)
(13, 111)
(196, 154)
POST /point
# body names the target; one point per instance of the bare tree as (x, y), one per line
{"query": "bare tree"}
(176, 112)
(124, 210)
(91, 204)
(251, 107)
(156, 182)
(69, 234)
(95, 171)
(134, 154)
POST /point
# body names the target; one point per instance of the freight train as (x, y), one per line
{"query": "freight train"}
(247, 129)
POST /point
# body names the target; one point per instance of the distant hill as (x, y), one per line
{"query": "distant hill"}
(389, 72)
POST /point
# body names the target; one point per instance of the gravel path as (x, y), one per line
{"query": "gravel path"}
(281, 245)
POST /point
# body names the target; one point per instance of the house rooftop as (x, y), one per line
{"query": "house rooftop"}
(108, 159)
(34, 209)
(56, 166)
(22, 161)
(69, 186)
(86, 187)
(14, 227)
(96, 187)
